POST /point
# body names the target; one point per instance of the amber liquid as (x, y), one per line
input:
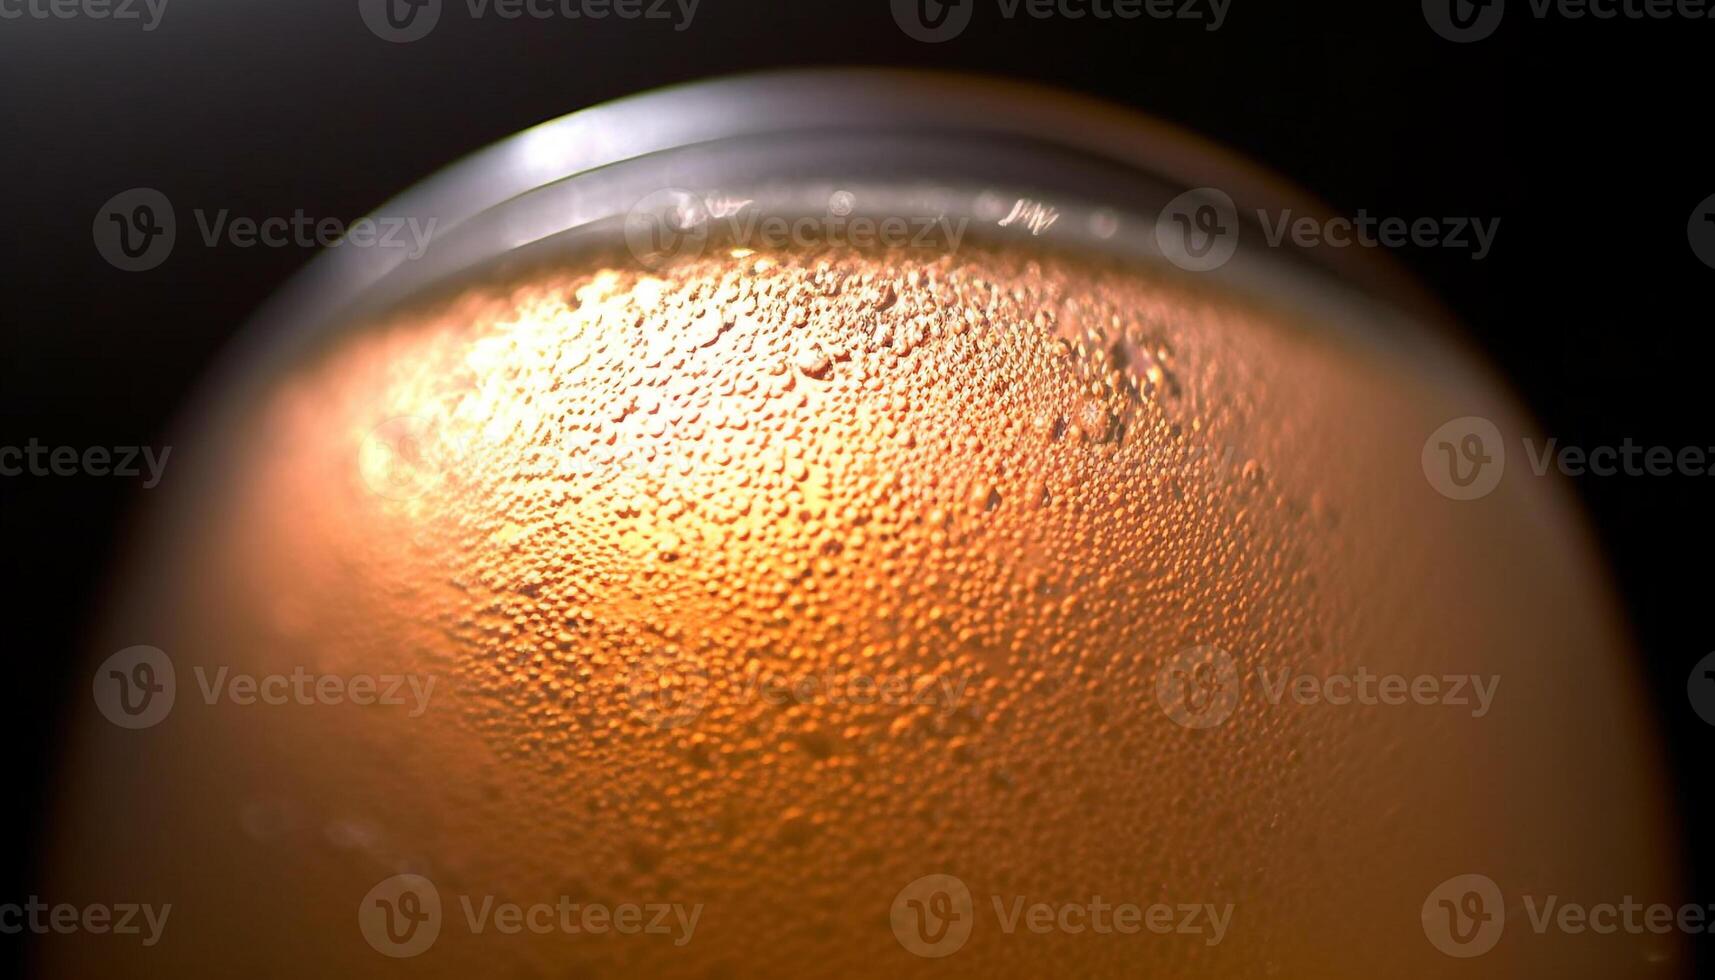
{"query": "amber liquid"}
(615, 513)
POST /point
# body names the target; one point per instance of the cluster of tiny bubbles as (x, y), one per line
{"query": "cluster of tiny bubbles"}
(995, 486)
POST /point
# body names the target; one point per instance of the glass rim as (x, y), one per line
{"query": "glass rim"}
(532, 177)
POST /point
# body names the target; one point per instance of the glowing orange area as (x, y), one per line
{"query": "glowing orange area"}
(776, 582)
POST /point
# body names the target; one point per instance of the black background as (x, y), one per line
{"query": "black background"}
(1584, 137)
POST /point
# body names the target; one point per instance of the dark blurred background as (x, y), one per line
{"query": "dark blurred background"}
(1591, 302)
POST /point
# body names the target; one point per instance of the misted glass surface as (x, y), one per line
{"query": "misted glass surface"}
(761, 589)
